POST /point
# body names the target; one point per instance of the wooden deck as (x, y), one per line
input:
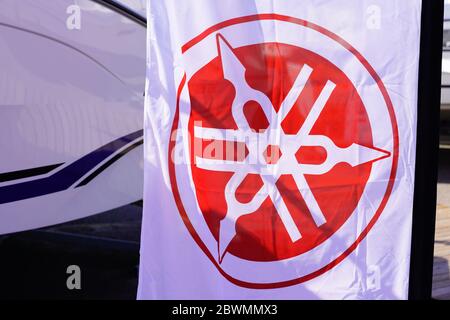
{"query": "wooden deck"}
(441, 269)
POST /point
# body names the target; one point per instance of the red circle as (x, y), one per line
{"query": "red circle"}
(271, 68)
(380, 209)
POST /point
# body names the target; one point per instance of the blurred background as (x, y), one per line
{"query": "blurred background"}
(441, 276)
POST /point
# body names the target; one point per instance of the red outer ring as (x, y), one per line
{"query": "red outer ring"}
(380, 209)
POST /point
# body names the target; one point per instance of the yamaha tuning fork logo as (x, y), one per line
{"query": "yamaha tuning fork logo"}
(284, 149)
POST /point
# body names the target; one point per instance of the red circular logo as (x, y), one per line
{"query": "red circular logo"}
(281, 148)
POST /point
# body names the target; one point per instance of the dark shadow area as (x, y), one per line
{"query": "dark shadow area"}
(105, 247)
(444, 165)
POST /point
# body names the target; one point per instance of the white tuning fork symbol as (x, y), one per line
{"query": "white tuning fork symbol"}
(354, 155)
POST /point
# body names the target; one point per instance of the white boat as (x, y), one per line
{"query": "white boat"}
(72, 79)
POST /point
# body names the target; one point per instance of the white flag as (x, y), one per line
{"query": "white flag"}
(279, 149)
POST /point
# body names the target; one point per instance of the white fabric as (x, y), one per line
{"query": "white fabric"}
(386, 33)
